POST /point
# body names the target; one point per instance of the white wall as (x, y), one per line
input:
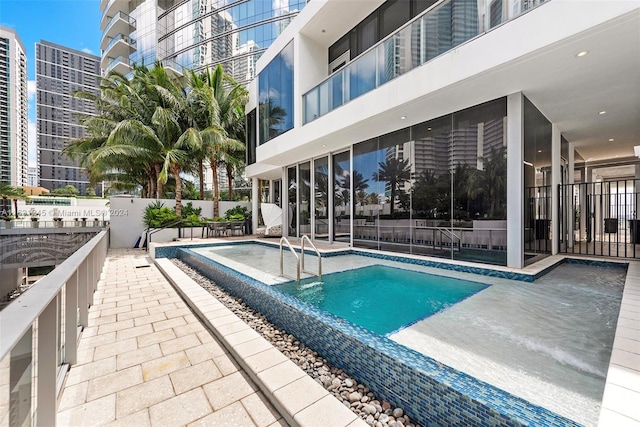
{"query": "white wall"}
(79, 208)
(127, 213)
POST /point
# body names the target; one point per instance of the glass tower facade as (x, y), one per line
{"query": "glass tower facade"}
(192, 33)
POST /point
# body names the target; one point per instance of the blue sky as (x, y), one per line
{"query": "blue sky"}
(71, 23)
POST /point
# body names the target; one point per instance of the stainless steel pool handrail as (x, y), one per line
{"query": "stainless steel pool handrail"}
(284, 240)
(305, 237)
(450, 234)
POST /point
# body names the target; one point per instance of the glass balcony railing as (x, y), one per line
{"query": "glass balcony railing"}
(118, 16)
(437, 30)
(128, 40)
(106, 10)
(115, 62)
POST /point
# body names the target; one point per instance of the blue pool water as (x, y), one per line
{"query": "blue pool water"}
(380, 298)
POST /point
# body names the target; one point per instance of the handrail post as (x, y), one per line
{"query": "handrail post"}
(283, 239)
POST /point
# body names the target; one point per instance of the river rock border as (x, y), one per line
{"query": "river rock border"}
(355, 396)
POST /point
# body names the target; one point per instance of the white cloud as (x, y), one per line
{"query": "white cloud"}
(31, 90)
(33, 145)
(87, 50)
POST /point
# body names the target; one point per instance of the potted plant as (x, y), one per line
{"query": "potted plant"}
(96, 222)
(34, 214)
(83, 222)
(7, 221)
(57, 222)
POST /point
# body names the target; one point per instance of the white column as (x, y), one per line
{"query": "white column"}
(255, 203)
(555, 196)
(515, 180)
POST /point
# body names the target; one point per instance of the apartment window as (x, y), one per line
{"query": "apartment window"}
(251, 137)
(275, 88)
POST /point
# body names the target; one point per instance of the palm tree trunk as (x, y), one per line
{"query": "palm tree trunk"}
(175, 170)
(159, 186)
(15, 205)
(230, 179)
(216, 193)
(201, 174)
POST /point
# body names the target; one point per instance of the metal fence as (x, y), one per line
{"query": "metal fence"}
(600, 218)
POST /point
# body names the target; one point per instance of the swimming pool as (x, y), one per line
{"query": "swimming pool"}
(548, 341)
(380, 298)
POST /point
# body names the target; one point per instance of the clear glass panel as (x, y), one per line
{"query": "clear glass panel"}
(341, 197)
(311, 105)
(321, 202)
(537, 181)
(292, 189)
(362, 75)
(369, 193)
(325, 97)
(337, 90)
(275, 84)
(304, 198)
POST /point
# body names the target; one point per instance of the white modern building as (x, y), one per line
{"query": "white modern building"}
(494, 131)
(14, 143)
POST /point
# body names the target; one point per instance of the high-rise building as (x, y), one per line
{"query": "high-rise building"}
(61, 71)
(14, 122)
(191, 33)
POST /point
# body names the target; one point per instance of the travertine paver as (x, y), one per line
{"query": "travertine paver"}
(146, 360)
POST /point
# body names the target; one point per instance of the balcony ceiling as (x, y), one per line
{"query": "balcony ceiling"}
(120, 26)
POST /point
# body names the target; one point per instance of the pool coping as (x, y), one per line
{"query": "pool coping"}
(622, 386)
(294, 394)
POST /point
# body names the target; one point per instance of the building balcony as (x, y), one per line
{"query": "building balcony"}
(436, 31)
(119, 23)
(110, 9)
(117, 46)
(120, 65)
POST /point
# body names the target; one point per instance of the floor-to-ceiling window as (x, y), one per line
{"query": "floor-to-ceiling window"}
(342, 197)
(437, 188)
(292, 198)
(304, 198)
(537, 180)
(321, 197)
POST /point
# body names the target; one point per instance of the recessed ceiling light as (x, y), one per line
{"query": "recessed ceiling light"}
(581, 54)
(428, 128)
(602, 112)
(403, 117)
(324, 145)
(611, 139)
(539, 151)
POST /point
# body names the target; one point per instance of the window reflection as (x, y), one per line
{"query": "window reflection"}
(275, 86)
(437, 188)
(321, 185)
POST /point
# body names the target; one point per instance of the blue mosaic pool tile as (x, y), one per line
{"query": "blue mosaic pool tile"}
(429, 392)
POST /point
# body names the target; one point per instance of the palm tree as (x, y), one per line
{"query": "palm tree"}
(218, 102)
(394, 172)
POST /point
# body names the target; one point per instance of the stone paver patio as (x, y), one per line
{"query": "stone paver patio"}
(146, 360)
